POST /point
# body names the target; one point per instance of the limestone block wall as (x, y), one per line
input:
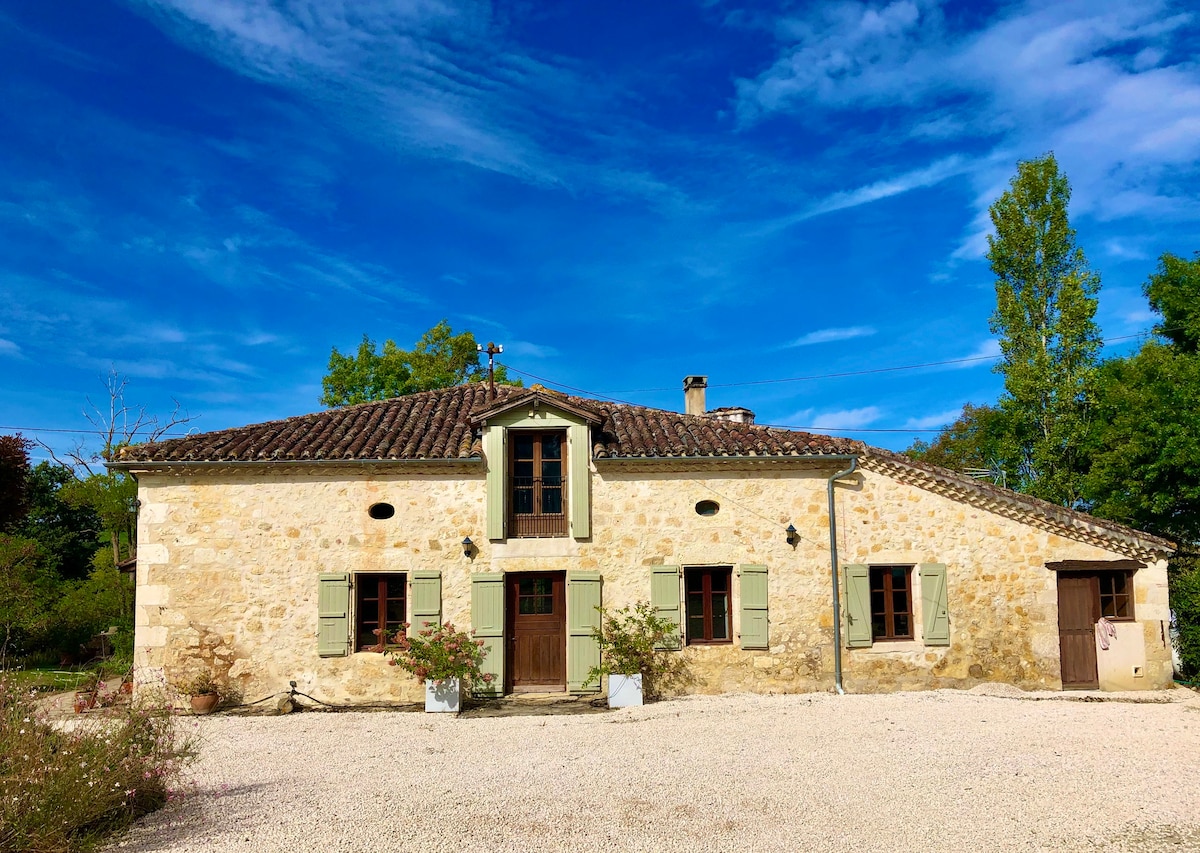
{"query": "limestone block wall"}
(228, 567)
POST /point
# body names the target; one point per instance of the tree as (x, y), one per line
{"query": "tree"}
(14, 479)
(440, 359)
(112, 495)
(1045, 304)
(979, 439)
(1144, 444)
(67, 529)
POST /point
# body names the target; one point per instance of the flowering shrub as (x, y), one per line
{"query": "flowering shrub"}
(439, 652)
(637, 640)
(68, 790)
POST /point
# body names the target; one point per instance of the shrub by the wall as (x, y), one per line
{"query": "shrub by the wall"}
(69, 790)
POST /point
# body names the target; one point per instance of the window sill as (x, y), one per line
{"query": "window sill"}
(885, 647)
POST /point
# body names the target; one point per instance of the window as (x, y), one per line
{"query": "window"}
(891, 603)
(1116, 595)
(380, 601)
(708, 605)
(537, 484)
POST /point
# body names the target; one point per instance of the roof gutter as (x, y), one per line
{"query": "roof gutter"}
(298, 463)
(833, 571)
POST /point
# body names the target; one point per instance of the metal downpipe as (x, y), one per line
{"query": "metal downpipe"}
(833, 570)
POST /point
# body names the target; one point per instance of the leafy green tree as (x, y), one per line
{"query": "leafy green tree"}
(1045, 304)
(1144, 441)
(69, 531)
(979, 439)
(440, 359)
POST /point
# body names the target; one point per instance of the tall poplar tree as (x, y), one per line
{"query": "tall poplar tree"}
(1045, 304)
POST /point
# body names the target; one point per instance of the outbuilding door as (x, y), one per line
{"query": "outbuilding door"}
(1078, 612)
(537, 631)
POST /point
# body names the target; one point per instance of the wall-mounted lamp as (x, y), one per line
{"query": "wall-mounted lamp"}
(468, 547)
(792, 536)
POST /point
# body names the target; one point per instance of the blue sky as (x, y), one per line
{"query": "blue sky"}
(210, 194)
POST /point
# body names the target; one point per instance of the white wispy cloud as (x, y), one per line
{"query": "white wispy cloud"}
(525, 348)
(934, 421)
(983, 354)
(8, 347)
(824, 336)
(847, 419)
(1096, 81)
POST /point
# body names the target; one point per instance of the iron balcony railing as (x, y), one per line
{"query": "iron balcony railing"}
(538, 507)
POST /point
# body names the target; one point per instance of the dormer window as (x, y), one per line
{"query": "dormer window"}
(537, 484)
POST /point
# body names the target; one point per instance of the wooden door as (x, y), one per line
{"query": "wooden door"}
(537, 631)
(1078, 612)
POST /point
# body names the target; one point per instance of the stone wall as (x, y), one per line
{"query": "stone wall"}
(228, 567)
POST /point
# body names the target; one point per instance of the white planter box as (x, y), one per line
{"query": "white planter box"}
(624, 691)
(443, 698)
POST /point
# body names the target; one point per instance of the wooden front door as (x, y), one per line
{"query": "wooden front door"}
(537, 631)
(1078, 612)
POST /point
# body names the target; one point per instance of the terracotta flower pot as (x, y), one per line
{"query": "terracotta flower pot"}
(204, 703)
(84, 699)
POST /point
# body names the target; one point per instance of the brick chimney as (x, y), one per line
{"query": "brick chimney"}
(693, 394)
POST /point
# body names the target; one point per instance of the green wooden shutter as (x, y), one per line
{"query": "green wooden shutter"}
(934, 613)
(426, 600)
(497, 480)
(579, 453)
(664, 597)
(583, 650)
(858, 606)
(333, 615)
(754, 606)
(487, 619)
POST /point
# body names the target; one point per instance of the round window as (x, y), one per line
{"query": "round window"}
(381, 511)
(707, 508)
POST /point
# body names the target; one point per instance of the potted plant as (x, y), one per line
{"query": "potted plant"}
(87, 692)
(444, 659)
(202, 691)
(636, 655)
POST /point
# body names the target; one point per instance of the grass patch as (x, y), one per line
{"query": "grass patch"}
(69, 791)
(46, 679)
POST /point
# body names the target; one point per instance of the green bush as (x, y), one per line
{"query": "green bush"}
(65, 791)
(1184, 577)
(637, 640)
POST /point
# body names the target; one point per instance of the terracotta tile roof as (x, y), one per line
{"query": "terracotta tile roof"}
(442, 424)
(439, 425)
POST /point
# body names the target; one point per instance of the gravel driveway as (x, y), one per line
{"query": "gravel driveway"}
(937, 771)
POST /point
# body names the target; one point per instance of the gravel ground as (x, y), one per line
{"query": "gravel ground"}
(985, 770)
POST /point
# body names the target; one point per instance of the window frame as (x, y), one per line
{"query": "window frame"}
(364, 637)
(538, 525)
(705, 573)
(1116, 597)
(887, 573)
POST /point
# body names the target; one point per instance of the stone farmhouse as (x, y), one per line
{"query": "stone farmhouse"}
(790, 561)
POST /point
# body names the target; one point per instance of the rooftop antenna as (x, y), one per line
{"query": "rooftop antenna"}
(996, 474)
(492, 351)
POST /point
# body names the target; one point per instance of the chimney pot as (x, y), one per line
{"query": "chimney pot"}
(693, 394)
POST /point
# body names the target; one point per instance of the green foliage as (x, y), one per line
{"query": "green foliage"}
(440, 359)
(69, 531)
(14, 477)
(1144, 443)
(112, 496)
(1174, 292)
(980, 438)
(29, 588)
(71, 790)
(1184, 577)
(632, 640)
(1045, 304)
(438, 652)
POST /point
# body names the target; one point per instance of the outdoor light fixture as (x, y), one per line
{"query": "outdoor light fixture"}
(468, 547)
(792, 536)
